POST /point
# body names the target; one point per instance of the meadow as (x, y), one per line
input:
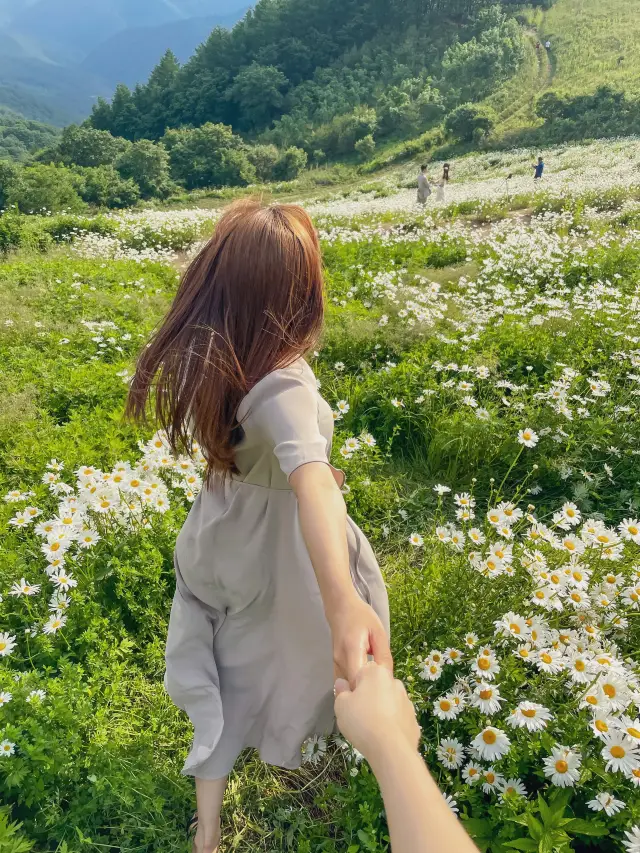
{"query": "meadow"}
(482, 357)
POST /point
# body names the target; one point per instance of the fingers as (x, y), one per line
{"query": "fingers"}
(356, 659)
(380, 648)
(341, 686)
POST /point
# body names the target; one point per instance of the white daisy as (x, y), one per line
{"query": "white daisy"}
(620, 753)
(562, 767)
(451, 753)
(7, 748)
(491, 781)
(487, 698)
(606, 802)
(491, 744)
(5, 698)
(512, 788)
(632, 841)
(472, 773)
(530, 716)
(7, 643)
(528, 437)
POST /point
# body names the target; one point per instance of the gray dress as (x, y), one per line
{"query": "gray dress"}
(249, 654)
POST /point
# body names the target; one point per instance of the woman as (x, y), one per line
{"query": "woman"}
(270, 570)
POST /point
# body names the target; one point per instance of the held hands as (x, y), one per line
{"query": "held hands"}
(357, 632)
(377, 714)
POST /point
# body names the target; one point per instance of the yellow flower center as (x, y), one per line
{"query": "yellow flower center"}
(601, 726)
(618, 752)
(529, 712)
(445, 705)
(633, 530)
(55, 546)
(579, 666)
(635, 733)
(3, 646)
(539, 594)
(484, 664)
(592, 700)
(603, 538)
(546, 658)
(515, 629)
(453, 655)
(575, 596)
(490, 777)
(524, 653)
(486, 694)
(489, 737)
(561, 766)
(610, 690)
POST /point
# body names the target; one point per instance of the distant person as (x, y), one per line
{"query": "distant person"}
(380, 721)
(424, 188)
(276, 587)
(440, 191)
(538, 45)
(547, 44)
(445, 172)
(539, 169)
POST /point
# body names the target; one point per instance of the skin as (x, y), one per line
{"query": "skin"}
(356, 630)
(378, 718)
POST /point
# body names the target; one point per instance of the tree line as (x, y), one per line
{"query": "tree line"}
(323, 75)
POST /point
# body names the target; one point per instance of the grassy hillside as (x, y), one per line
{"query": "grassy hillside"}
(593, 42)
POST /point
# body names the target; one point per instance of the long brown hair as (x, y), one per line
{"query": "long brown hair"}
(251, 302)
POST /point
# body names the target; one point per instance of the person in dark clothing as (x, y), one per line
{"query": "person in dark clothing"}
(539, 169)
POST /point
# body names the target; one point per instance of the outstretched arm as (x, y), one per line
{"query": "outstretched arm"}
(379, 720)
(355, 627)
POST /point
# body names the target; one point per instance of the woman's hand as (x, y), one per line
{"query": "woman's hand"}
(377, 715)
(357, 633)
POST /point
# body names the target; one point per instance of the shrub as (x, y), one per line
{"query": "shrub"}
(464, 121)
(290, 164)
(148, 165)
(366, 146)
(104, 187)
(45, 188)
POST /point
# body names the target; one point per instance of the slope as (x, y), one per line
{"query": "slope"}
(594, 42)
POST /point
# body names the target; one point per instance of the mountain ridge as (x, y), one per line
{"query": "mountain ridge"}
(58, 56)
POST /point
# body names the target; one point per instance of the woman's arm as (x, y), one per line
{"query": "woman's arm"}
(379, 720)
(356, 629)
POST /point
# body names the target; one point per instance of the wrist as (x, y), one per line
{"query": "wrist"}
(389, 750)
(341, 603)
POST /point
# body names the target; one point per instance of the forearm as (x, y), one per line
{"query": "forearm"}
(419, 819)
(323, 521)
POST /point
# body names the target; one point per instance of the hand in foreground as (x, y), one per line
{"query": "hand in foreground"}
(377, 712)
(358, 632)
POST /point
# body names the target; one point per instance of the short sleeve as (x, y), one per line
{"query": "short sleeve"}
(283, 410)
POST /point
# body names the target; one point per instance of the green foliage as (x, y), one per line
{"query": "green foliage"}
(257, 93)
(606, 112)
(366, 147)
(41, 188)
(208, 156)
(290, 164)
(466, 122)
(104, 187)
(8, 177)
(263, 158)
(148, 165)
(85, 146)
(19, 136)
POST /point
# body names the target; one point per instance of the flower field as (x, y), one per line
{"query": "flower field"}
(482, 357)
